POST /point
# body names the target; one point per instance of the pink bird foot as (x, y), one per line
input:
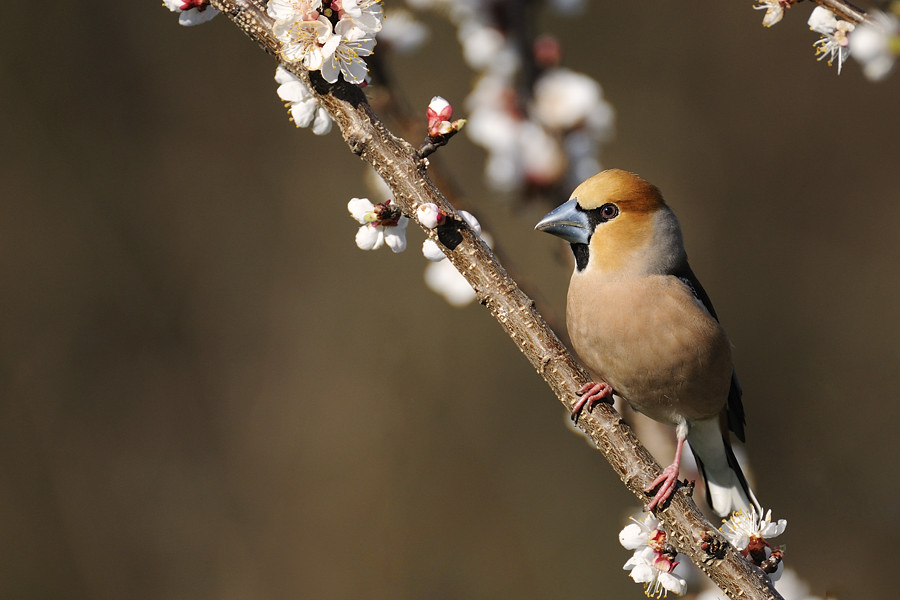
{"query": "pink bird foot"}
(667, 480)
(591, 393)
(666, 483)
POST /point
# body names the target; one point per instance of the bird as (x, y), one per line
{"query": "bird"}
(645, 328)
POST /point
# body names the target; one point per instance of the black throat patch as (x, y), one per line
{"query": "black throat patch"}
(582, 254)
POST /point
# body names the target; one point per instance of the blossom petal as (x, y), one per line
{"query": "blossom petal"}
(395, 237)
(471, 220)
(428, 214)
(322, 123)
(822, 20)
(194, 16)
(443, 278)
(432, 251)
(303, 113)
(633, 536)
(360, 208)
(673, 583)
(369, 237)
(643, 573)
(330, 71)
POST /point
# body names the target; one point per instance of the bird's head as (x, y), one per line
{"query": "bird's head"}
(618, 222)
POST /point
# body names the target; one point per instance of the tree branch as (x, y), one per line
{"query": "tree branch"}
(844, 10)
(396, 162)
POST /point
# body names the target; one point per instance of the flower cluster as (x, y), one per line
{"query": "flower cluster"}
(302, 104)
(401, 32)
(874, 43)
(441, 276)
(382, 224)
(835, 41)
(653, 561)
(749, 532)
(191, 12)
(330, 37)
(554, 139)
(790, 586)
(774, 10)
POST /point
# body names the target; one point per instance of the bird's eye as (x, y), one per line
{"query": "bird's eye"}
(609, 211)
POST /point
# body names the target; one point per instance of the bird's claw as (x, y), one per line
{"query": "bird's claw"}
(591, 393)
(666, 482)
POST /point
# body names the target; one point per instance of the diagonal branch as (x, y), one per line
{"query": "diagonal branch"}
(844, 10)
(396, 162)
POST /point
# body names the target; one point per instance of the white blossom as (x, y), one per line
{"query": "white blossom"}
(432, 251)
(712, 593)
(821, 20)
(497, 131)
(443, 279)
(646, 567)
(310, 42)
(304, 106)
(304, 10)
(653, 561)
(834, 43)
(486, 49)
(362, 210)
(743, 526)
(380, 225)
(555, 141)
(750, 533)
(353, 43)
(369, 237)
(792, 587)
(774, 10)
(429, 215)
(875, 44)
(395, 235)
(192, 16)
(543, 160)
(637, 533)
(402, 32)
(564, 99)
(471, 221)
(365, 14)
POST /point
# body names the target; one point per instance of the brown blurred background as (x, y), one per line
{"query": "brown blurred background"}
(199, 401)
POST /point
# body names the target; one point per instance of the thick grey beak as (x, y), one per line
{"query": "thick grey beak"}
(568, 222)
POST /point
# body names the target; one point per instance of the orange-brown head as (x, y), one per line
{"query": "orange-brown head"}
(618, 223)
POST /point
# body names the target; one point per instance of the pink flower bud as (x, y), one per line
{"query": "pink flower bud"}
(200, 5)
(438, 110)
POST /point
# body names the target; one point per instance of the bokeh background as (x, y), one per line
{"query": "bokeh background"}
(208, 392)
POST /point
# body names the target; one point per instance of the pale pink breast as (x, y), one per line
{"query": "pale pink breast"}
(654, 343)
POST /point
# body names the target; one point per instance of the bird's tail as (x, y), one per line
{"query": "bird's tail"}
(727, 489)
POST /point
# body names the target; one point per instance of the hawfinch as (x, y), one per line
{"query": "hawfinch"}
(645, 328)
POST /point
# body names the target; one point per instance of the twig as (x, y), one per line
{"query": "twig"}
(396, 162)
(844, 10)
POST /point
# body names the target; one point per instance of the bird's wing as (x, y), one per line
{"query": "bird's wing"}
(734, 408)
